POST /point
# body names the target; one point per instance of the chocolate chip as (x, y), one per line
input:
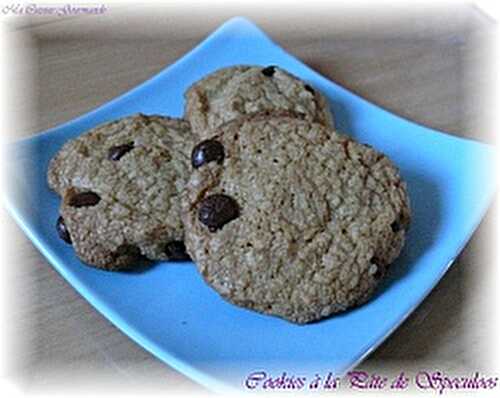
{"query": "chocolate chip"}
(116, 152)
(207, 151)
(176, 251)
(217, 210)
(269, 71)
(84, 199)
(396, 225)
(309, 88)
(62, 231)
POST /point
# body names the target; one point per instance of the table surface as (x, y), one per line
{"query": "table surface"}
(430, 66)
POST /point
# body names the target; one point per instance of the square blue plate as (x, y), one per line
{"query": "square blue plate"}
(173, 314)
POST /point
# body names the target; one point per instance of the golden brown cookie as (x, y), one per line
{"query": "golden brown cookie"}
(289, 218)
(121, 183)
(237, 91)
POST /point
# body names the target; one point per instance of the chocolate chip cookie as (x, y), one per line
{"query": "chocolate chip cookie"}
(289, 218)
(120, 183)
(236, 91)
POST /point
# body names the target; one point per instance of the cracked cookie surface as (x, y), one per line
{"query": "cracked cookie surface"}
(232, 92)
(121, 183)
(295, 220)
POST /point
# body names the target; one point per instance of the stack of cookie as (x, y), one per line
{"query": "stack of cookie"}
(280, 213)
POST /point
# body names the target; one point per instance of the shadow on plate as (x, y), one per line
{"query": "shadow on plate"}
(426, 207)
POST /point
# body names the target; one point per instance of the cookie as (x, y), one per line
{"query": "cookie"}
(237, 91)
(120, 184)
(289, 218)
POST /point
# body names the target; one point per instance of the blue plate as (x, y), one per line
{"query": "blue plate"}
(170, 311)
